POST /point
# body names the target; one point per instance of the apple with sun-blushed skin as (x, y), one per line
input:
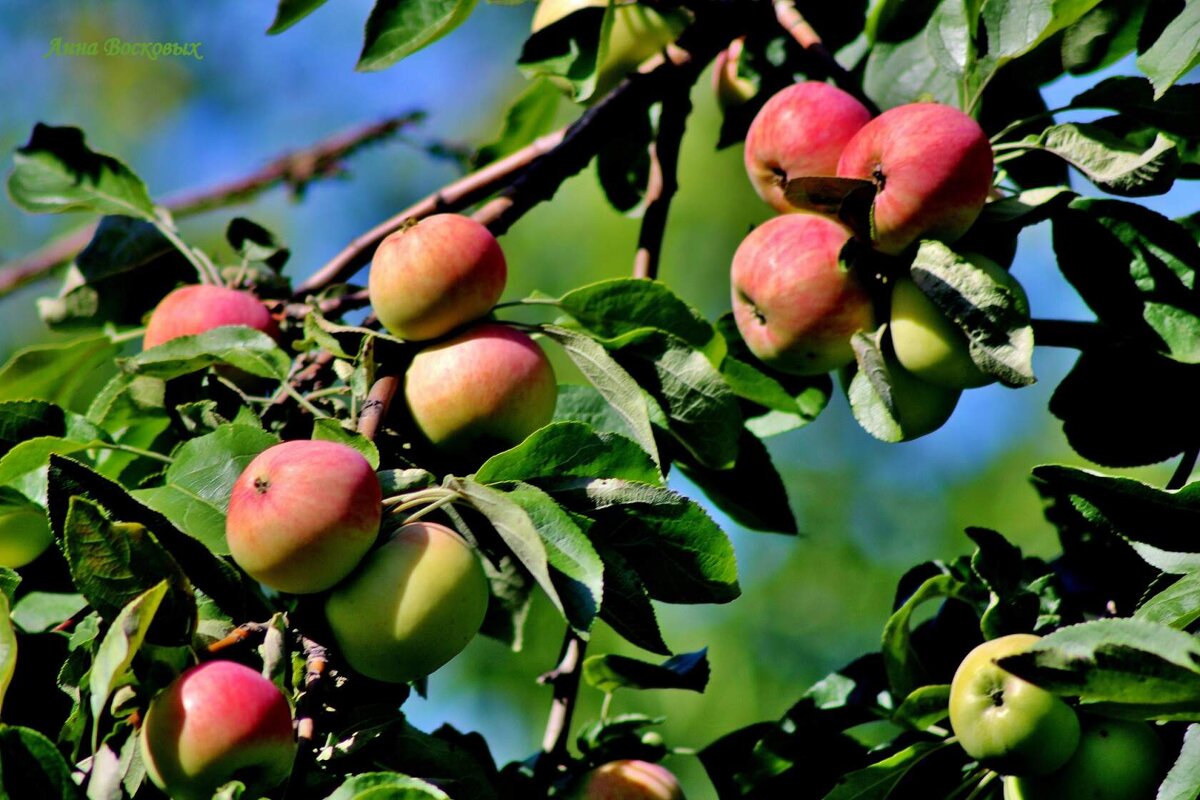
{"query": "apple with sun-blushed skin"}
(1009, 724)
(800, 132)
(432, 276)
(201, 307)
(794, 303)
(929, 344)
(1116, 760)
(731, 89)
(411, 606)
(481, 391)
(629, 780)
(217, 722)
(24, 535)
(302, 514)
(932, 167)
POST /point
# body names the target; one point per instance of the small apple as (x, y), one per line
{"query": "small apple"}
(434, 275)
(794, 302)
(731, 89)
(481, 391)
(1009, 724)
(800, 132)
(931, 346)
(201, 307)
(302, 514)
(932, 168)
(217, 722)
(411, 606)
(1116, 760)
(629, 780)
(24, 535)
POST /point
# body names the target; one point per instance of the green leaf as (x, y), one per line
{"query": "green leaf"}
(623, 162)
(619, 306)
(531, 115)
(237, 345)
(38, 612)
(332, 430)
(255, 244)
(627, 607)
(8, 647)
(566, 453)
(387, 786)
(399, 28)
(399, 481)
(924, 707)
(66, 373)
(905, 72)
(569, 50)
(608, 673)
(1118, 667)
(1102, 36)
(585, 404)
(1015, 27)
(117, 649)
(1173, 112)
(56, 171)
(1183, 780)
(899, 657)
(31, 766)
(195, 495)
(1177, 606)
(878, 780)
(1176, 50)
(751, 492)
(292, 11)
(1115, 165)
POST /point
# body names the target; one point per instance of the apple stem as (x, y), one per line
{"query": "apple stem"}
(982, 786)
(664, 160)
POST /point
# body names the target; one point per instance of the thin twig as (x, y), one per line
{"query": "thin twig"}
(1183, 470)
(308, 706)
(375, 409)
(791, 20)
(242, 633)
(663, 182)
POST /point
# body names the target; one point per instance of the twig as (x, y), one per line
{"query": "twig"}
(375, 409)
(1183, 471)
(565, 680)
(308, 706)
(295, 169)
(68, 624)
(663, 182)
(244, 632)
(332, 305)
(791, 20)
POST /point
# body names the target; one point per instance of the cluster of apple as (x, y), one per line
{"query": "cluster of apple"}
(795, 300)
(1043, 747)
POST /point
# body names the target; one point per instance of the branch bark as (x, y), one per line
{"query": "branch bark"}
(663, 184)
(791, 20)
(375, 409)
(565, 680)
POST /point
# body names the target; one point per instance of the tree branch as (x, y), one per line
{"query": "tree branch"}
(565, 680)
(791, 20)
(375, 409)
(663, 182)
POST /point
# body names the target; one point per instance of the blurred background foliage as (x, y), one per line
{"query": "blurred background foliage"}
(867, 510)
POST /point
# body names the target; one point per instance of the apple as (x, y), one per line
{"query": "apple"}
(483, 390)
(302, 514)
(411, 606)
(434, 275)
(931, 346)
(795, 304)
(629, 780)
(217, 722)
(638, 32)
(201, 307)
(731, 89)
(932, 169)
(921, 407)
(1116, 760)
(1009, 724)
(24, 535)
(800, 132)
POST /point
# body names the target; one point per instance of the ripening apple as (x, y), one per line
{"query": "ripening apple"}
(302, 514)
(932, 169)
(217, 722)
(481, 391)
(24, 535)
(1009, 724)
(930, 345)
(731, 89)
(795, 303)
(411, 606)
(629, 780)
(434, 275)
(1115, 760)
(638, 32)
(800, 132)
(201, 307)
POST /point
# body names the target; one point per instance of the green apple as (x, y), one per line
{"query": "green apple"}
(1009, 724)
(932, 347)
(919, 407)
(1116, 760)
(24, 535)
(628, 780)
(217, 722)
(411, 606)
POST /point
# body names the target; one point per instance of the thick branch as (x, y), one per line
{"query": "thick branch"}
(565, 680)
(663, 182)
(375, 409)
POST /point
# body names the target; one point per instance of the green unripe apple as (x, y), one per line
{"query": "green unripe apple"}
(24, 535)
(931, 346)
(629, 780)
(919, 407)
(217, 722)
(411, 606)
(1115, 760)
(1009, 724)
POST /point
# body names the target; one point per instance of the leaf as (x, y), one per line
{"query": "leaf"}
(877, 780)
(905, 72)
(31, 766)
(627, 607)
(292, 11)
(117, 649)
(399, 481)
(332, 430)
(1173, 112)
(531, 115)
(608, 673)
(1177, 606)
(826, 194)
(1118, 667)
(387, 786)
(195, 495)
(623, 161)
(924, 707)
(8, 647)
(399, 28)
(1176, 50)
(1112, 163)
(1102, 36)
(1183, 780)
(570, 453)
(56, 171)
(254, 243)
(38, 612)
(237, 345)
(585, 404)
(1015, 27)
(569, 50)
(899, 657)
(619, 306)
(66, 373)
(751, 492)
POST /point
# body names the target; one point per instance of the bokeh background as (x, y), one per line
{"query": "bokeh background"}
(868, 511)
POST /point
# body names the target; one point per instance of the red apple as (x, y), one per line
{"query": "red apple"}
(201, 307)
(629, 780)
(430, 277)
(795, 304)
(731, 89)
(800, 132)
(484, 390)
(932, 168)
(302, 514)
(217, 722)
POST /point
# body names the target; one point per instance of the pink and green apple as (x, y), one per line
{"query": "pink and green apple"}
(197, 308)
(629, 780)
